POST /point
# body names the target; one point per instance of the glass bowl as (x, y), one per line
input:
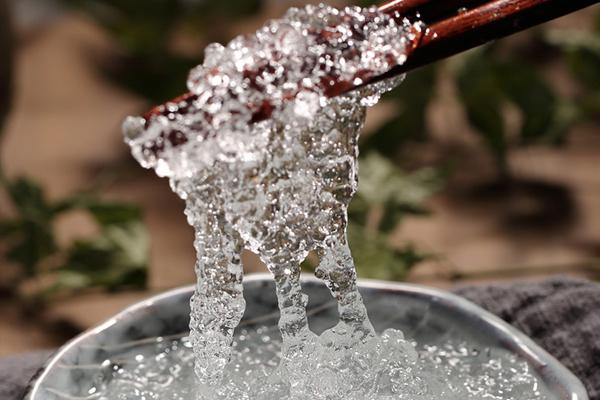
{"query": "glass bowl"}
(425, 315)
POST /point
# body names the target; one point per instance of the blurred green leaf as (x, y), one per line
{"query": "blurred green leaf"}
(482, 99)
(582, 58)
(88, 257)
(131, 241)
(522, 84)
(68, 204)
(365, 3)
(385, 186)
(412, 98)
(393, 214)
(376, 259)
(114, 213)
(382, 182)
(72, 280)
(584, 63)
(136, 24)
(114, 258)
(7, 228)
(145, 29)
(358, 210)
(104, 212)
(582, 54)
(34, 242)
(32, 230)
(566, 113)
(28, 198)
(233, 8)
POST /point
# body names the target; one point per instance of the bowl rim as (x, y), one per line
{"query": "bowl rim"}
(542, 361)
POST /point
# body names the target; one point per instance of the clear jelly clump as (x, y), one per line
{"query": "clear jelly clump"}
(265, 160)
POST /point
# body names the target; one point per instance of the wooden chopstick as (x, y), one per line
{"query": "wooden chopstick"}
(447, 27)
(472, 27)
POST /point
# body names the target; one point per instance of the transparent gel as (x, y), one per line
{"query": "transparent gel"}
(279, 186)
(449, 370)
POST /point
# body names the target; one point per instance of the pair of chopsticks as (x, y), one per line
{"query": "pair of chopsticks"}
(448, 27)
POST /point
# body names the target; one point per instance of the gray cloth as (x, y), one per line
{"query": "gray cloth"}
(16, 371)
(561, 314)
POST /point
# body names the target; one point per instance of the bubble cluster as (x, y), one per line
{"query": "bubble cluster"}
(449, 370)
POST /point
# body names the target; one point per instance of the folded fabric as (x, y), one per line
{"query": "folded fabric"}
(16, 371)
(561, 314)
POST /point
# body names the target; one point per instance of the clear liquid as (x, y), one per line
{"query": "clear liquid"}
(280, 188)
(450, 370)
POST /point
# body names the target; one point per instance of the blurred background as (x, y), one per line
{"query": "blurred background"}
(481, 168)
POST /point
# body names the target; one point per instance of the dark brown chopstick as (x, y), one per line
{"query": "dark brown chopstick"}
(429, 11)
(448, 27)
(476, 26)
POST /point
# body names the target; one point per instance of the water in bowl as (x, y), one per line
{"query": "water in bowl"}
(450, 370)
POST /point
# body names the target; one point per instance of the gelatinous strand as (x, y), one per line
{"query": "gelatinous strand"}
(336, 269)
(218, 303)
(293, 322)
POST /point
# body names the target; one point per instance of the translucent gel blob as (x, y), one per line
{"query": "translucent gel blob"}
(280, 188)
